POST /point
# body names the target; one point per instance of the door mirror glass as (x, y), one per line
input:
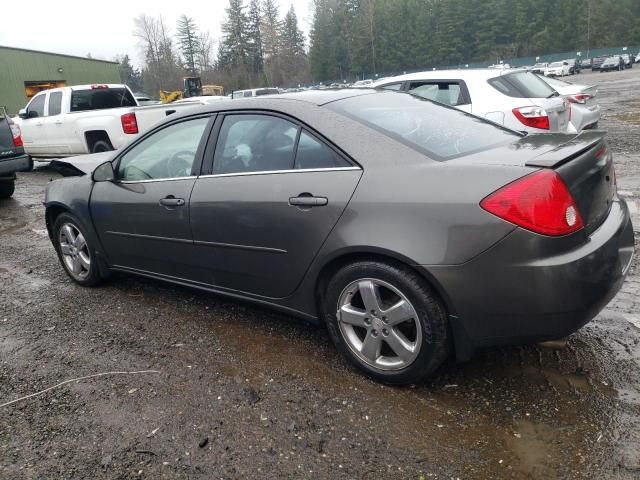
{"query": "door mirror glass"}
(23, 113)
(103, 173)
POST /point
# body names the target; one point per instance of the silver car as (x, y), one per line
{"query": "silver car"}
(585, 111)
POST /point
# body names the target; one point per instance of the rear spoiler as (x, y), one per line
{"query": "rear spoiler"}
(566, 152)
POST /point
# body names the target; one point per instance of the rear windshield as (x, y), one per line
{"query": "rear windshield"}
(441, 132)
(266, 91)
(101, 98)
(522, 85)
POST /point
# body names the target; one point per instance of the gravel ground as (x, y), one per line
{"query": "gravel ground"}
(237, 391)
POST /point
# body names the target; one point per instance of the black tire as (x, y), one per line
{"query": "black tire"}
(431, 317)
(7, 187)
(101, 146)
(91, 276)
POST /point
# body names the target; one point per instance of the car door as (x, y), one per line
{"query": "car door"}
(53, 124)
(275, 193)
(453, 93)
(142, 217)
(33, 130)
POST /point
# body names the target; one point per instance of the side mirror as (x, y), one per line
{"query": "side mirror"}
(32, 114)
(23, 113)
(103, 173)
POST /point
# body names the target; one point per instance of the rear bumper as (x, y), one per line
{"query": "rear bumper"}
(584, 117)
(15, 164)
(530, 288)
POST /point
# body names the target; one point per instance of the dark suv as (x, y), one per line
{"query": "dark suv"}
(12, 156)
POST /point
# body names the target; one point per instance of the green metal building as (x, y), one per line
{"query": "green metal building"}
(23, 73)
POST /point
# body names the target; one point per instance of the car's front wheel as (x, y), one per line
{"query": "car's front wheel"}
(387, 321)
(76, 254)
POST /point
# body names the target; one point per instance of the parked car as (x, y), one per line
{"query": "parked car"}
(362, 83)
(585, 63)
(626, 59)
(517, 99)
(12, 156)
(574, 66)
(557, 69)
(585, 111)
(612, 63)
(254, 92)
(539, 67)
(202, 100)
(84, 119)
(597, 61)
(409, 228)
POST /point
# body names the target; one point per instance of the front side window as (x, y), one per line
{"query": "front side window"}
(167, 153)
(37, 106)
(312, 153)
(55, 103)
(255, 143)
(448, 93)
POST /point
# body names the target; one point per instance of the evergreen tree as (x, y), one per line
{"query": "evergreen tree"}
(254, 37)
(233, 48)
(187, 36)
(129, 75)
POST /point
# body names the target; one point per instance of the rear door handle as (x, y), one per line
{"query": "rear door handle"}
(308, 201)
(171, 201)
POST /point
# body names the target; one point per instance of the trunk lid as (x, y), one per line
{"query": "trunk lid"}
(557, 109)
(585, 163)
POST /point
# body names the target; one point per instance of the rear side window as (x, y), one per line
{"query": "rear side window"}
(448, 93)
(393, 86)
(522, 85)
(101, 98)
(6, 137)
(312, 153)
(55, 103)
(439, 132)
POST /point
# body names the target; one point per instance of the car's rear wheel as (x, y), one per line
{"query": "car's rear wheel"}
(7, 187)
(101, 146)
(387, 321)
(76, 254)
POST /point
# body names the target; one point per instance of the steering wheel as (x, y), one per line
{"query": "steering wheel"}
(178, 165)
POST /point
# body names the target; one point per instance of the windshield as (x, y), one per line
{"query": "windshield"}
(438, 131)
(522, 85)
(6, 137)
(101, 98)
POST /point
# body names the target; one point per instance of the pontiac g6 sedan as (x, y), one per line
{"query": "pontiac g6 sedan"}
(411, 229)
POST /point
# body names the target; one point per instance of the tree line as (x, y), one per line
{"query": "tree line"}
(258, 48)
(356, 38)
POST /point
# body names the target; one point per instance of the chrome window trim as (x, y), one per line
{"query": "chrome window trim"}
(151, 180)
(272, 172)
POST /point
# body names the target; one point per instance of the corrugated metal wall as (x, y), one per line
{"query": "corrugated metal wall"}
(19, 66)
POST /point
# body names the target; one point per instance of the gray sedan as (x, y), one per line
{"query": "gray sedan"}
(411, 229)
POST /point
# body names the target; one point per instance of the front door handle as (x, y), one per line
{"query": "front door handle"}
(171, 201)
(308, 201)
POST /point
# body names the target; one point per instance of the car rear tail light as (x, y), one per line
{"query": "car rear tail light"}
(539, 202)
(582, 98)
(129, 123)
(534, 117)
(17, 135)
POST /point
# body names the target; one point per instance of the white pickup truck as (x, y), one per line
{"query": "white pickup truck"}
(68, 121)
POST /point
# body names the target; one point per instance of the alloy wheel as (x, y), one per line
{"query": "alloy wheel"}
(379, 324)
(75, 251)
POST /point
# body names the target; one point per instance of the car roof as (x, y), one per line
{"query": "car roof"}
(466, 73)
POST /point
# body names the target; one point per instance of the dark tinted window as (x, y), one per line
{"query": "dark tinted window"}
(255, 143)
(101, 98)
(267, 91)
(312, 153)
(37, 105)
(522, 85)
(55, 103)
(440, 132)
(6, 137)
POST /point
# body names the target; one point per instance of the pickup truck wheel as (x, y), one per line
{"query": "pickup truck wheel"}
(7, 187)
(74, 251)
(101, 146)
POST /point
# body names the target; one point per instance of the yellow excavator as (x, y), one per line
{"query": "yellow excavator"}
(192, 87)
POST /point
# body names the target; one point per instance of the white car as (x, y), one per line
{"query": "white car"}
(67, 121)
(202, 100)
(557, 69)
(362, 83)
(254, 92)
(585, 111)
(517, 99)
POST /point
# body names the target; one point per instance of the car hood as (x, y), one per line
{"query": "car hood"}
(80, 165)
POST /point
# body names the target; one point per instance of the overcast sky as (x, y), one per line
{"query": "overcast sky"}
(105, 29)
